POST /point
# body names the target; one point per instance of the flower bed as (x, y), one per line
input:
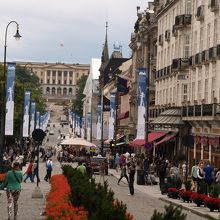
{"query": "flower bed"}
(173, 193)
(2, 176)
(185, 195)
(58, 202)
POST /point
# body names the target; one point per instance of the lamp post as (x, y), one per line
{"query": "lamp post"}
(17, 36)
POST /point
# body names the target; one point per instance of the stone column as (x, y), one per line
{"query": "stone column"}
(202, 149)
(45, 77)
(62, 78)
(68, 78)
(194, 152)
(51, 77)
(210, 152)
(56, 78)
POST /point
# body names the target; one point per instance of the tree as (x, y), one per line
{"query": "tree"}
(78, 102)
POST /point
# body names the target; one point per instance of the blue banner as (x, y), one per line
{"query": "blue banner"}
(98, 123)
(111, 116)
(142, 102)
(89, 120)
(37, 120)
(9, 116)
(26, 117)
(83, 128)
(32, 123)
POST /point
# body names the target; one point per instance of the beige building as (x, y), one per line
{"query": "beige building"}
(58, 80)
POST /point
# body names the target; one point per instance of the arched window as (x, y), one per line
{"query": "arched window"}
(53, 91)
(64, 91)
(58, 91)
(48, 91)
(70, 91)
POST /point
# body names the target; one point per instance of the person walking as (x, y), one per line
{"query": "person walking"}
(12, 183)
(200, 175)
(162, 172)
(209, 177)
(123, 173)
(217, 180)
(28, 172)
(132, 170)
(194, 176)
(117, 162)
(49, 165)
(35, 171)
(102, 171)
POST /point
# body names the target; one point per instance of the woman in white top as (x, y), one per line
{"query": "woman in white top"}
(200, 175)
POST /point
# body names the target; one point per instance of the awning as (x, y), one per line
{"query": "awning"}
(121, 143)
(123, 115)
(167, 138)
(151, 138)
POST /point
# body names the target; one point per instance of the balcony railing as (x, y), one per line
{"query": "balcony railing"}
(201, 110)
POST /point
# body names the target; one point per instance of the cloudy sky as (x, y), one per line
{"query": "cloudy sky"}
(69, 31)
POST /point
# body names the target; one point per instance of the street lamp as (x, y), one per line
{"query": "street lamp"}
(17, 36)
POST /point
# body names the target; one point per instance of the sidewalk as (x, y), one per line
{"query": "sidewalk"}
(155, 192)
(29, 208)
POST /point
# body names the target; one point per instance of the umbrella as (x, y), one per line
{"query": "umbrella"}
(77, 142)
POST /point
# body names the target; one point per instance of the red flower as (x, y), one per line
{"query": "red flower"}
(173, 190)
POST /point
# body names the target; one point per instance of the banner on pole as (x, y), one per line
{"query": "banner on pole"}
(26, 117)
(37, 120)
(89, 120)
(98, 123)
(32, 123)
(142, 101)
(83, 128)
(9, 116)
(112, 116)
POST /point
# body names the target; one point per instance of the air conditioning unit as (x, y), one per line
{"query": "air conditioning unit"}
(167, 35)
(214, 5)
(161, 39)
(200, 13)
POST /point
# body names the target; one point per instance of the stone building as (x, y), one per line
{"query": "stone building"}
(58, 80)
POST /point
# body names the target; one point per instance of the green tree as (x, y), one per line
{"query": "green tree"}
(77, 106)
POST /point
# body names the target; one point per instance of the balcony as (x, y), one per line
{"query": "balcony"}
(182, 21)
(204, 110)
(214, 6)
(212, 53)
(175, 65)
(205, 56)
(218, 50)
(198, 59)
(184, 63)
(200, 13)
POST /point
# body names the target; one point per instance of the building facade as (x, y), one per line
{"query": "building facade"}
(58, 80)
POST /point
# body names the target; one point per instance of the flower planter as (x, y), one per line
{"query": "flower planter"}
(198, 199)
(185, 195)
(212, 203)
(173, 193)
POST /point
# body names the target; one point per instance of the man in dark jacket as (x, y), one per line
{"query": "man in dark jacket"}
(132, 170)
(162, 174)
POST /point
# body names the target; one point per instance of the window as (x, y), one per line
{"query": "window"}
(187, 46)
(71, 74)
(170, 95)
(65, 73)
(54, 73)
(48, 72)
(70, 82)
(41, 81)
(41, 73)
(65, 82)
(59, 81)
(53, 91)
(193, 91)
(53, 81)
(206, 90)
(201, 39)
(48, 81)
(215, 36)
(184, 92)
(188, 6)
(77, 75)
(195, 42)
(208, 36)
(199, 89)
(59, 73)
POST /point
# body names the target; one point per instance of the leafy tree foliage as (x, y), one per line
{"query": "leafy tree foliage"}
(77, 106)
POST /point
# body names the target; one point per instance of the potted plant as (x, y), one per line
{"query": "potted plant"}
(198, 199)
(173, 193)
(185, 195)
(212, 203)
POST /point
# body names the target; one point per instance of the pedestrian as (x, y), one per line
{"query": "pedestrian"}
(49, 167)
(35, 171)
(117, 162)
(12, 183)
(194, 177)
(123, 173)
(217, 180)
(28, 172)
(200, 176)
(102, 169)
(208, 177)
(131, 170)
(162, 172)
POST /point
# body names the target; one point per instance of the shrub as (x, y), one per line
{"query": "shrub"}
(96, 198)
(185, 195)
(212, 203)
(58, 204)
(173, 193)
(171, 213)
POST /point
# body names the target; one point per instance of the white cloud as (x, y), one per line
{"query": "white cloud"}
(78, 24)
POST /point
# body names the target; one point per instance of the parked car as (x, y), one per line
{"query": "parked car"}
(96, 162)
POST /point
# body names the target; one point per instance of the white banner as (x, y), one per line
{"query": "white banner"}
(32, 123)
(141, 104)
(26, 117)
(112, 116)
(89, 120)
(98, 123)
(9, 116)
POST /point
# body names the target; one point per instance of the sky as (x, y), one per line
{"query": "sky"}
(70, 31)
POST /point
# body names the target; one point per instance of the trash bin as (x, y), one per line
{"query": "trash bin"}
(140, 177)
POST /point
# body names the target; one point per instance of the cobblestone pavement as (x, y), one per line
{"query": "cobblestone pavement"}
(141, 205)
(29, 208)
